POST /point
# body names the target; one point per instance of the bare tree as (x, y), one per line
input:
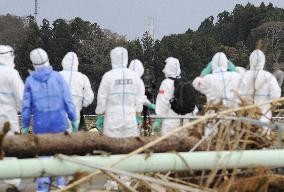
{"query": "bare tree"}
(12, 30)
(272, 33)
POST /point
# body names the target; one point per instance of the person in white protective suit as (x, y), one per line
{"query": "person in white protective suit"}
(166, 93)
(120, 97)
(259, 86)
(221, 86)
(11, 97)
(137, 66)
(79, 84)
(11, 90)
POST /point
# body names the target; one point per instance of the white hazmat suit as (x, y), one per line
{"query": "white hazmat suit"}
(220, 86)
(79, 84)
(166, 92)
(259, 86)
(120, 96)
(11, 95)
(137, 66)
(11, 90)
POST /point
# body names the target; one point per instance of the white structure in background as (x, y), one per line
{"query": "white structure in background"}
(150, 28)
(36, 10)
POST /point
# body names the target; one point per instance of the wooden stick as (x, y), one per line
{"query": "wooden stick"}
(153, 187)
(180, 181)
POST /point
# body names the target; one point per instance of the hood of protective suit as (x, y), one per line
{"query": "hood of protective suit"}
(257, 60)
(39, 58)
(119, 57)
(7, 56)
(70, 62)
(172, 68)
(137, 66)
(42, 74)
(219, 62)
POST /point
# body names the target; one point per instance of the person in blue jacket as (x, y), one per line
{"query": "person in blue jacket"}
(47, 97)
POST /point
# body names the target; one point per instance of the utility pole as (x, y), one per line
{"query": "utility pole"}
(151, 30)
(36, 10)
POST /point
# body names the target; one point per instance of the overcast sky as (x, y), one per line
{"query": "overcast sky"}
(130, 17)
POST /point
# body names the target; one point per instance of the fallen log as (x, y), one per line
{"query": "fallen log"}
(82, 143)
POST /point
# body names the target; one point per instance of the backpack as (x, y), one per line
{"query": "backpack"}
(185, 97)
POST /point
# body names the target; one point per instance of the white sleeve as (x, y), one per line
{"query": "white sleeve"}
(163, 99)
(274, 89)
(280, 79)
(88, 94)
(195, 111)
(146, 101)
(140, 97)
(102, 96)
(17, 86)
(201, 84)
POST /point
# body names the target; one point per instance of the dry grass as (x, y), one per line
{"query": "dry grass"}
(231, 134)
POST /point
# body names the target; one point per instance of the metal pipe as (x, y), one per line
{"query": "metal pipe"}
(277, 117)
(176, 117)
(171, 117)
(158, 162)
(257, 122)
(133, 175)
(276, 125)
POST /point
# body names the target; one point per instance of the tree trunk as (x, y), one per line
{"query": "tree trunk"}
(82, 143)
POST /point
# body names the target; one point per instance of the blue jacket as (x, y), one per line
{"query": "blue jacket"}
(47, 97)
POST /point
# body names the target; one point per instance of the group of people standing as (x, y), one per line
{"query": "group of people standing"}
(121, 93)
(231, 88)
(50, 98)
